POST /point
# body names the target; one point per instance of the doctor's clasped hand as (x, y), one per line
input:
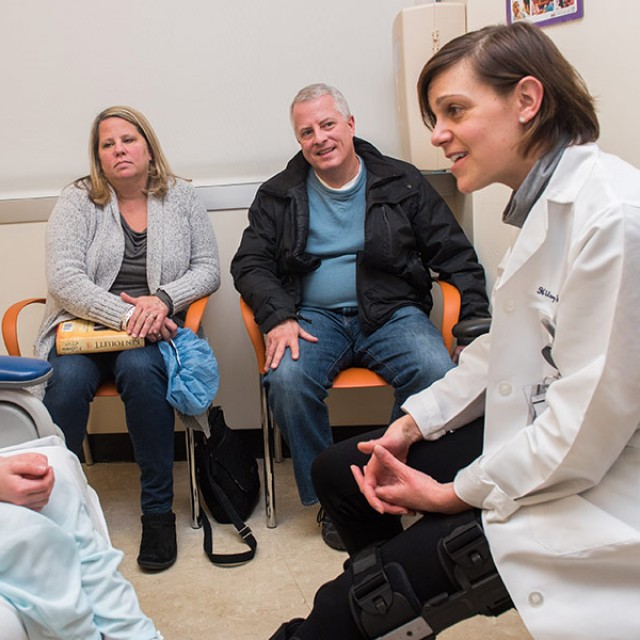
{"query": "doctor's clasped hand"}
(391, 486)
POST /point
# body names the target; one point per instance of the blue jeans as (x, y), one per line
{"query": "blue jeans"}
(407, 351)
(141, 379)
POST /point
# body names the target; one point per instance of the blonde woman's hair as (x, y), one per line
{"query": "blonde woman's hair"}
(160, 179)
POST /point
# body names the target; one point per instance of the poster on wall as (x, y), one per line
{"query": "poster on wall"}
(543, 12)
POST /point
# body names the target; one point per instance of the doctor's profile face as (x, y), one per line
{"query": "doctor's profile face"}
(477, 129)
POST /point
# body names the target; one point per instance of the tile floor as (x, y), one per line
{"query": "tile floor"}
(195, 600)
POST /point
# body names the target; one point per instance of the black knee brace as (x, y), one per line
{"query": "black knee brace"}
(382, 599)
(385, 606)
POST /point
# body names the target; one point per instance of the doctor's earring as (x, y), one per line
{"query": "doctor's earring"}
(522, 120)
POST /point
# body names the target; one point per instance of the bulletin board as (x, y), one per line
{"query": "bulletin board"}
(544, 12)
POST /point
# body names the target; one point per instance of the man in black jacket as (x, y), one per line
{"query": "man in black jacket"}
(335, 264)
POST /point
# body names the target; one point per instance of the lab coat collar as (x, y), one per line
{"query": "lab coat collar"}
(533, 186)
(556, 200)
(571, 173)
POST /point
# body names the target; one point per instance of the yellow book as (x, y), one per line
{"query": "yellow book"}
(85, 336)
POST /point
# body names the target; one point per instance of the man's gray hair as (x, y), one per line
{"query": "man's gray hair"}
(317, 90)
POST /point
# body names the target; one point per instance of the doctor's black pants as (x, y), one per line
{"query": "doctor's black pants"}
(414, 548)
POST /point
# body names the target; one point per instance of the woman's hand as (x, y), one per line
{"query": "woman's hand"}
(397, 439)
(168, 331)
(455, 356)
(26, 480)
(392, 487)
(149, 318)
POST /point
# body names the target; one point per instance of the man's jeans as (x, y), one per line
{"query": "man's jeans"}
(141, 380)
(407, 351)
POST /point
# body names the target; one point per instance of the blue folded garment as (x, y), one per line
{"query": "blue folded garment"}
(192, 370)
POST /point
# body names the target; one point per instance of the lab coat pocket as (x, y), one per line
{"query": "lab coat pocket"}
(575, 526)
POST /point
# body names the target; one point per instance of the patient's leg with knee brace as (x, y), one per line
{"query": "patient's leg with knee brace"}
(384, 603)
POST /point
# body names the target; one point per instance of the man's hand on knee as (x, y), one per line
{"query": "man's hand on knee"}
(283, 336)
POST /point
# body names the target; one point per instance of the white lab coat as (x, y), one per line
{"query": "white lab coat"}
(561, 494)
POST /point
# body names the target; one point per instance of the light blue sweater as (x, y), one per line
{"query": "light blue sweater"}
(336, 234)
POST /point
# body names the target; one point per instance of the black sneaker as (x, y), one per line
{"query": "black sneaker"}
(329, 534)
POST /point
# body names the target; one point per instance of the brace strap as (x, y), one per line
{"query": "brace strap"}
(382, 600)
(466, 556)
(371, 589)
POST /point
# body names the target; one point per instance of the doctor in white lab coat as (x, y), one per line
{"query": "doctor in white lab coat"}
(561, 495)
(557, 477)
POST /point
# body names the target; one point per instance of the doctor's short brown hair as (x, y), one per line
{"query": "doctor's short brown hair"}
(501, 56)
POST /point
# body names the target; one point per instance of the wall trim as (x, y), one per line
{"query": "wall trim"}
(216, 197)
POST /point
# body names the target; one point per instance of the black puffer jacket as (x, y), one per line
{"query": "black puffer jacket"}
(409, 230)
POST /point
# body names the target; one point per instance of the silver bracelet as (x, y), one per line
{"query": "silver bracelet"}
(127, 317)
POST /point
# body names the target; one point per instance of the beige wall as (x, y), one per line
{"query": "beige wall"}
(214, 78)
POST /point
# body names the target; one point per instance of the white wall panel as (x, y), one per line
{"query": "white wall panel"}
(214, 78)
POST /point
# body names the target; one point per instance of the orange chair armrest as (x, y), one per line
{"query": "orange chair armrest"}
(450, 311)
(195, 313)
(10, 324)
(255, 335)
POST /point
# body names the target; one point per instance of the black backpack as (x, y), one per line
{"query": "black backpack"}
(229, 484)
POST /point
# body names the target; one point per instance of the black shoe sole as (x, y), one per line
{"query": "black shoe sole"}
(155, 566)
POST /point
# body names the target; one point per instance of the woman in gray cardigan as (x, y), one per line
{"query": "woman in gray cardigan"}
(128, 246)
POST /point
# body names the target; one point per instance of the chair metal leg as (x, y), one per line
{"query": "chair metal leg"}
(266, 420)
(86, 450)
(277, 442)
(193, 481)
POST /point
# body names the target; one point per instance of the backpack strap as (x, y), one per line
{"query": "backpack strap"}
(243, 529)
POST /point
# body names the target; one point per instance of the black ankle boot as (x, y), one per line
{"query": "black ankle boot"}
(158, 548)
(287, 629)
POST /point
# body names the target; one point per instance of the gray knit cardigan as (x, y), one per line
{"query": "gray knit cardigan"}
(85, 249)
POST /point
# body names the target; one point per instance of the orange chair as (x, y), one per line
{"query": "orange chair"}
(352, 378)
(108, 388)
